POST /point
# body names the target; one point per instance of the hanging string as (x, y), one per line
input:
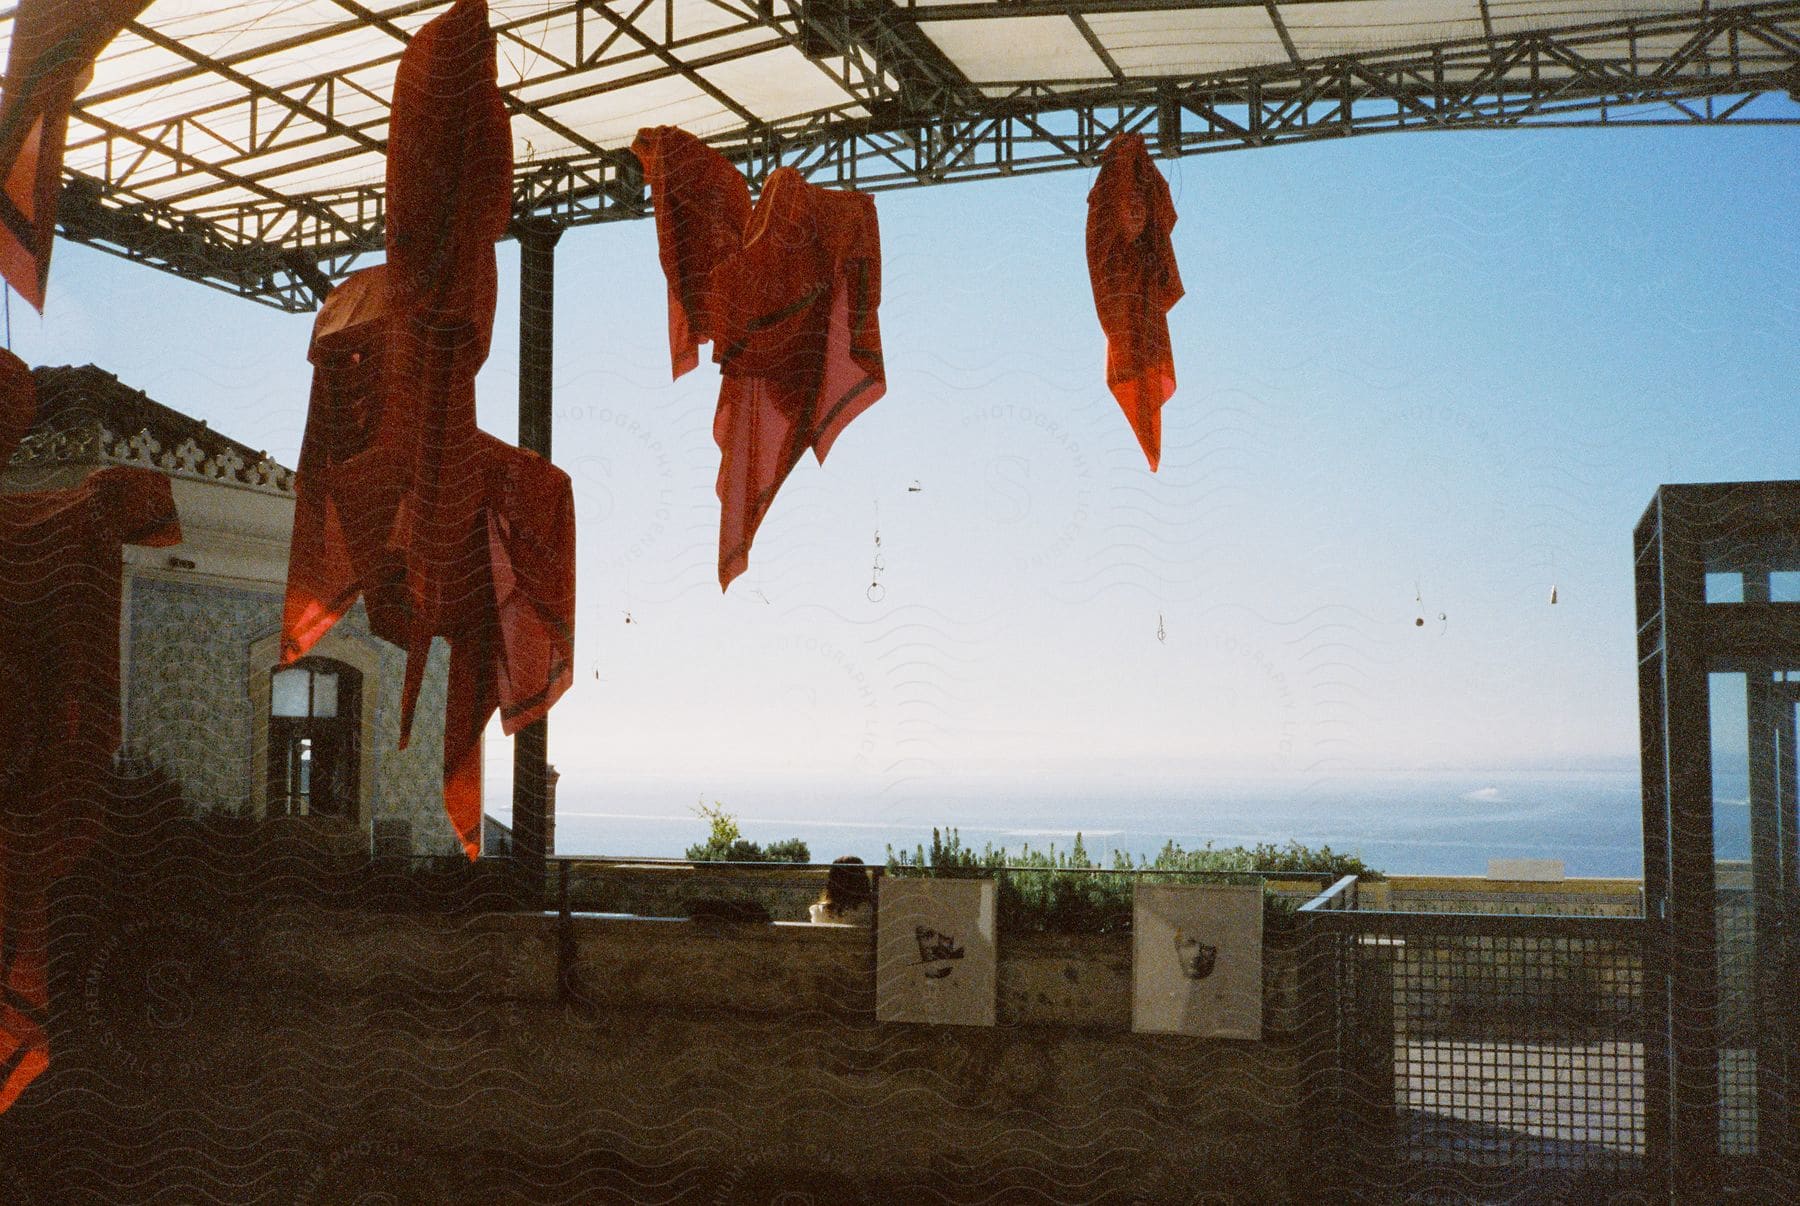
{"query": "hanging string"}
(877, 592)
(596, 644)
(1162, 634)
(1419, 615)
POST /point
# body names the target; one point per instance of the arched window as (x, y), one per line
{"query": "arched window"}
(315, 723)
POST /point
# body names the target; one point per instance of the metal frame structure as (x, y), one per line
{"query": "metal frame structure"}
(1473, 1056)
(911, 116)
(1722, 966)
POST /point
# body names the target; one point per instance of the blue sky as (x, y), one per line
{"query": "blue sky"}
(1425, 376)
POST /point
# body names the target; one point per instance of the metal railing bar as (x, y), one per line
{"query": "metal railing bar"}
(1480, 925)
(1337, 891)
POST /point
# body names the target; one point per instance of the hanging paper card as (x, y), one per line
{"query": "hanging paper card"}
(935, 952)
(1197, 960)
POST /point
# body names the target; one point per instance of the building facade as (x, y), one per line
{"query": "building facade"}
(204, 699)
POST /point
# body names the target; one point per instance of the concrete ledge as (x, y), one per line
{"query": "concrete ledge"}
(1478, 894)
(1066, 981)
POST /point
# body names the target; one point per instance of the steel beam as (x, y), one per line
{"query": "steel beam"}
(935, 128)
(533, 821)
(1693, 902)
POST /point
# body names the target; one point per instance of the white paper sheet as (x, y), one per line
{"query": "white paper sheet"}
(1197, 960)
(935, 953)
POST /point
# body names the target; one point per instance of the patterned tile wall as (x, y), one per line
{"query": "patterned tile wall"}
(188, 703)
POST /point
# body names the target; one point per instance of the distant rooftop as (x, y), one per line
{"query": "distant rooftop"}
(86, 414)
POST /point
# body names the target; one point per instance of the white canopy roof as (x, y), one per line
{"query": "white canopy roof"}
(247, 125)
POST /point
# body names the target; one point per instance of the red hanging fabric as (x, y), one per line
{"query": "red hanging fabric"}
(798, 345)
(443, 529)
(702, 207)
(54, 46)
(18, 403)
(1131, 263)
(60, 587)
(512, 641)
(338, 526)
(787, 292)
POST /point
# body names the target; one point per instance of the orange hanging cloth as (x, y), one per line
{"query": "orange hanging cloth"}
(337, 527)
(444, 530)
(60, 586)
(54, 46)
(18, 403)
(1131, 264)
(702, 207)
(798, 345)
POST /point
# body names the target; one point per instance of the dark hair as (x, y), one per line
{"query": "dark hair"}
(846, 886)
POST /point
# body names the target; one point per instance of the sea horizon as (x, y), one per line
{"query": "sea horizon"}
(1403, 822)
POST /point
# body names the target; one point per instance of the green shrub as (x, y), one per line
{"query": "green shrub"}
(1052, 891)
(726, 843)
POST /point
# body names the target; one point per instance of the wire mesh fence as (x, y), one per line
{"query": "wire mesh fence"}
(1474, 1055)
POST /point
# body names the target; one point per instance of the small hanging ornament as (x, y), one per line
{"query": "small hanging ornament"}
(1443, 618)
(1162, 634)
(1553, 594)
(877, 592)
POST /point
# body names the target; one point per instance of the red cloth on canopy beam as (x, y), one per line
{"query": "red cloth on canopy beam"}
(702, 207)
(54, 46)
(787, 291)
(1131, 264)
(60, 584)
(443, 529)
(798, 345)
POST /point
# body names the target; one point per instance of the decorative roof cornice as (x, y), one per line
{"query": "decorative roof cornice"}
(95, 443)
(88, 416)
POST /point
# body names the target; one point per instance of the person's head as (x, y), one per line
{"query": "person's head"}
(846, 885)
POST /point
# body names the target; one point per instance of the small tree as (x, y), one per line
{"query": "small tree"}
(726, 843)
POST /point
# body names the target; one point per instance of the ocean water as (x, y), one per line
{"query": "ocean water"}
(1406, 823)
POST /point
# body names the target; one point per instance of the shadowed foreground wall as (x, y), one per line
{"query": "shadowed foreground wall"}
(297, 1054)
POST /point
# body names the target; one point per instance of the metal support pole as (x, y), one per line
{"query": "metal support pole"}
(1657, 962)
(1693, 990)
(533, 822)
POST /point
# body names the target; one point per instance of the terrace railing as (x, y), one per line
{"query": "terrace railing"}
(1443, 1056)
(1463, 1056)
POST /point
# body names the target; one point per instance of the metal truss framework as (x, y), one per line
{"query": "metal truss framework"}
(917, 120)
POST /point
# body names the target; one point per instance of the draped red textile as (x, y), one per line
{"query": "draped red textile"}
(798, 345)
(60, 582)
(444, 530)
(1131, 264)
(791, 312)
(54, 45)
(18, 403)
(702, 207)
(338, 527)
